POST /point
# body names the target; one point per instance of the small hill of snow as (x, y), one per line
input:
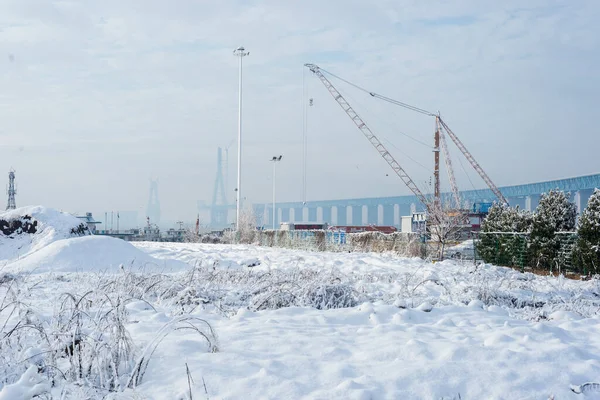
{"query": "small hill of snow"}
(51, 225)
(39, 239)
(91, 254)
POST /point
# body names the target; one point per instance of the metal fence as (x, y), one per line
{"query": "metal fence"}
(513, 249)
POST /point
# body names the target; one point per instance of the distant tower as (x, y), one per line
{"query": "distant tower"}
(219, 206)
(11, 205)
(153, 209)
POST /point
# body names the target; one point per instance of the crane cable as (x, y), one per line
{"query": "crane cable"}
(376, 95)
(355, 101)
(372, 94)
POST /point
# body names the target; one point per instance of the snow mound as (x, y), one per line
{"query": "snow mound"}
(51, 225)
(92, 254)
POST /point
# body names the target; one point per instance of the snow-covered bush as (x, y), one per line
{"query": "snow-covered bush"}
(503, 236)
(246, 231)
(586, 252)
(555, 213)
(502, 218)
(406, 244)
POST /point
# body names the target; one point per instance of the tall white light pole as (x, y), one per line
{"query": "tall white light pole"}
(241, 53)
(274, 160)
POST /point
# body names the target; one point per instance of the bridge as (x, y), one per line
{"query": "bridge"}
(388, 210)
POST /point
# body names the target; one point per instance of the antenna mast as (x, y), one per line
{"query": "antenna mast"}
(11, 205)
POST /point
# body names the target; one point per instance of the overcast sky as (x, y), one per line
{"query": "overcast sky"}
(97, 97)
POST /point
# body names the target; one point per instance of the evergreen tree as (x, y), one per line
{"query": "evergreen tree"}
(555, 213)
(586, 253)
(500, 242)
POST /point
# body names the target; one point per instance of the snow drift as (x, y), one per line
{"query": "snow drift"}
(49, 225)
(46, 240)
(92, 254)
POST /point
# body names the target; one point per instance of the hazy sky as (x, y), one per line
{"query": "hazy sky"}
(96, 97)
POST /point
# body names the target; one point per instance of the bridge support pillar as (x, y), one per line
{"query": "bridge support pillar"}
(372, 215)
(518, 201)
(312, 214)
(532, 202)
(297, 215)
(341, 215)
(581, 199)
(388, 215)
(356, 215)
(404, 210)
(285, 215)
(326, 215)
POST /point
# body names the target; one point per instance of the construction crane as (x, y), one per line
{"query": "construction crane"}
(473, 163)
(439, 139)
(362, 126)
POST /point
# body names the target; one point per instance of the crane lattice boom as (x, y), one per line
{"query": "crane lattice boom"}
(473, 163)
(448, 162)
(368, 134)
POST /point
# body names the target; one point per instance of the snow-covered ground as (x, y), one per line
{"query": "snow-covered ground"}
(181, 321)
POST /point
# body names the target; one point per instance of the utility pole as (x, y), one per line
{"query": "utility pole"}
(274, 160)
(436, 165)
(241, 53)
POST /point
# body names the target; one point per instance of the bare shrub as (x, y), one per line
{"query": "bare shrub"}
(328, 296)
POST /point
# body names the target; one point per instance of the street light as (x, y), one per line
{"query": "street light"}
(274, 161)
(241, 53)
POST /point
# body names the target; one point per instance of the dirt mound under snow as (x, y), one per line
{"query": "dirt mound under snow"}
(27, 229)
(40, 239)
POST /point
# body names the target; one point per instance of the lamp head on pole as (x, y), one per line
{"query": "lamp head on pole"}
(241, 52)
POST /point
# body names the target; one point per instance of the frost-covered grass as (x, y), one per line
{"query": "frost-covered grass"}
(248, 322)
(76, 336)
(238, 276)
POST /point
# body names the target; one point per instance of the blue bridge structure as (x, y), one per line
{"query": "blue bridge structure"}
(388, 210)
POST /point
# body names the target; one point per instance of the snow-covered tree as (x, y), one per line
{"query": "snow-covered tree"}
(502, 218)
(555, 213)
(444, 226)
(586, 253)
(500, 242)
(246, 232)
